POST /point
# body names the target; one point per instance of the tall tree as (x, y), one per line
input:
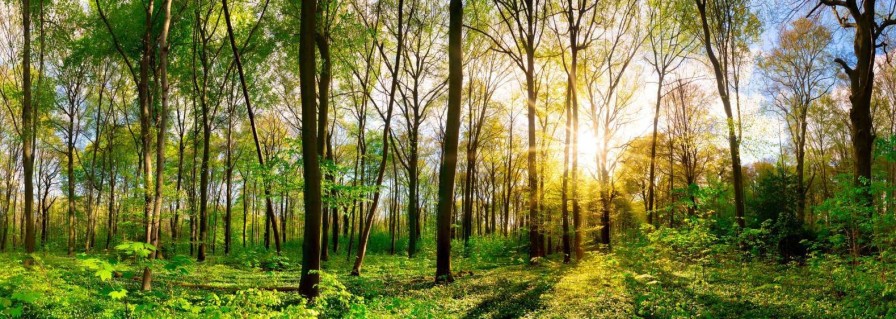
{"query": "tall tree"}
(420, 90)
(581, 23)
(145, 93)
(727, 26)
(237, 61)
(609, 70)
(161, 120)
(670, 43)
(524, 20)
(798, 77)
(308, 285)
(869, 24)
(27, 129)
(72, 80)
(394, 67)
(447, 168)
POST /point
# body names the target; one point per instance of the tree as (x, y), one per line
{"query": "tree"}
(420, 89)
(610, 64)
(308, 286)
(689, 129)
(447, 168)
(27, 129)
(727, 26)
(322, 41)
(147, 113)
(485, 78)
(581, 25)
(394, 67)
(204, 33)
(524, 20)
(670, 43)
(72, 78)
(270, 218)
(869, 23)
(797, 78)
(161, 127)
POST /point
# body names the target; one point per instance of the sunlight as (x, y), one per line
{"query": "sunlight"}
(588, 148)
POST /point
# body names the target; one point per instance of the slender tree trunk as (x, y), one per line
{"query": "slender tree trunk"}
(175, 220)
(162, 129)
(367, 226)
(228, 177)
(535, 249)
(322, 41)
(651, 188)
(269, 206)
(70, 167)
(733, 141)
(413, 199)
(245, 199)
(564, 200)
(27, 139)
(111, 209)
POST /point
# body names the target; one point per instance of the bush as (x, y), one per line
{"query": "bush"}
(692, 243)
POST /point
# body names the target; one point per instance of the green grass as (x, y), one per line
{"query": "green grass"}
(494, 281)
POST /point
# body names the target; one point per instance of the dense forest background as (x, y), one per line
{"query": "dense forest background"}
(652, 158)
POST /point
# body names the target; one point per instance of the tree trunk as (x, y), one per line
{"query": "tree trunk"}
(27, 139)
(228, 177)
(70, 169)
(733, 142)
(308, 285)
(269, 206)
(564, 197)
(323, 46)
(365, 229)
(447, 169)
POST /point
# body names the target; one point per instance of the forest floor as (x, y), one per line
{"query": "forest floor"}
(624, 284)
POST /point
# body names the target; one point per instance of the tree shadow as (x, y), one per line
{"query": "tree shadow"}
(511, 299)
(676, 297)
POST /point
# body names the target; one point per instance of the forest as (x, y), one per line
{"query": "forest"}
(447, 159)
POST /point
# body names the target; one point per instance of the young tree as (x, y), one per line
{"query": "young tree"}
(485, 77)
(72, 82)
(581, 24)
(322, 41)
(270, 219)
(689, 129)
(145, 94)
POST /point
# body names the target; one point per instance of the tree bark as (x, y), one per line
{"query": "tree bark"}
(447, 169)
(27, 139)
(308, 285)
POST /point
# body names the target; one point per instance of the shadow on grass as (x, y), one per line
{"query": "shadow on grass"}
(511, 300)
(675, 296)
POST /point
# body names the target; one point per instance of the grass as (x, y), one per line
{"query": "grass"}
(494, 281)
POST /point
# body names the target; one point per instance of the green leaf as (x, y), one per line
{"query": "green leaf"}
(118, 295)
(16, 311)
(26, 297)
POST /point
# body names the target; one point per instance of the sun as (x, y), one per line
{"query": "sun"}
(588, 149)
